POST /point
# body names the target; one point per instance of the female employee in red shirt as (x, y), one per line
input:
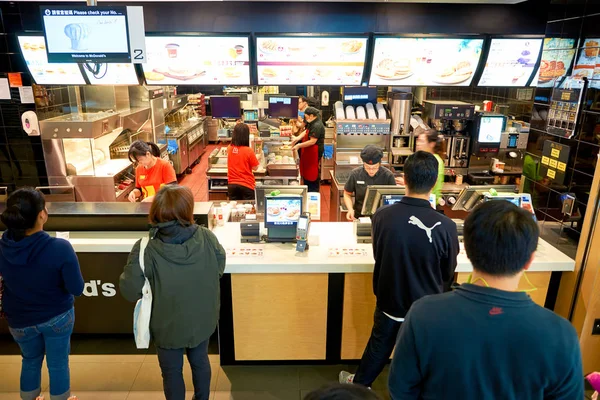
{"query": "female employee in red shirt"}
(152, 171)
(311, 146)
(241, 162)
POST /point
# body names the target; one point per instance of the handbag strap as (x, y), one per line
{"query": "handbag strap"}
(143, 245)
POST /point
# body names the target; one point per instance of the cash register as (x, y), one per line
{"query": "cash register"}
(281, 217)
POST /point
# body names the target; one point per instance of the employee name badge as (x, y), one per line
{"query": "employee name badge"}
(360, 182)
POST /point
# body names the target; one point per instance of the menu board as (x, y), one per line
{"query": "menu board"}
(557, 57)
(310, 60)
(86, 34)
(564, 110)
(510, 62)
(425, 61)
(111, 74)
(588, 62)
(33, 49)
(555, 157)
(197, 60)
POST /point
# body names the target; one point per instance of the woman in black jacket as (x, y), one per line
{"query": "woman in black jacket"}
(183, 263)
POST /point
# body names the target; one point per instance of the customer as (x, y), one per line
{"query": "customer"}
(371, 173)
(241, 161)
(152, 171)
(487, 340)
(342, 392)
(311, 146)
(183, 263)
(40, 277)
(415, 250)
(431, 142)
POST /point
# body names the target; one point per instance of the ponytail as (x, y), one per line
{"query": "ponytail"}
(140, 148)
(22, 209)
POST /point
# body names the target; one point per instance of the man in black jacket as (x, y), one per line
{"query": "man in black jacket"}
(415, 250)
(486, 340)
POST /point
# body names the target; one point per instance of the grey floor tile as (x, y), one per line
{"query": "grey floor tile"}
(258, 395)
(313, 377)
(258, 378)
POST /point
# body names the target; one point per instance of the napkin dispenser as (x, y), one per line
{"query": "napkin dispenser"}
(250, 231)
(362, 230)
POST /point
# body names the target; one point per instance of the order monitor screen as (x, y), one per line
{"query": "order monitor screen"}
(490, 129)
(282, 211)
(225, 107)
(388, 200)
(516, 200)
(283, 107)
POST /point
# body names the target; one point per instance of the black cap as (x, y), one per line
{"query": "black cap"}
(312, 111)
(371, 154)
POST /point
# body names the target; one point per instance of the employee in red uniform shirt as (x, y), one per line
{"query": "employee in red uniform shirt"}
(311, 148)
(241, 162)
(151, 173)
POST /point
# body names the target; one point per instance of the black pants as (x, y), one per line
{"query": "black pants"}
(239, 192)
(171, 365)
(313, 186)
(379, 349)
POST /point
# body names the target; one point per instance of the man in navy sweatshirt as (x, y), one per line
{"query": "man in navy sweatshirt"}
(415, 250)
(486, 340)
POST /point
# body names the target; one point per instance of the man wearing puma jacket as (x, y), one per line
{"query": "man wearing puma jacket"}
(415, 250)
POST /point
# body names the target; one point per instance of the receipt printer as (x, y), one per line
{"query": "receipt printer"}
(250, 230)
(302, 232)
(362, 230)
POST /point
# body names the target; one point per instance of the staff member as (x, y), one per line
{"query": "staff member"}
(241, 161)
(371, 173)
(298, 127)
(151, 173)
(312, 144)
(431, 142)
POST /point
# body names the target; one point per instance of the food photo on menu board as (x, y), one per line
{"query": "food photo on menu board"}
(110, 74)
(197, 60)
(510, 62)
(310, 60)
(588, 62)
(425, 61)
(283, 211)
(557, 58)
(33, 49)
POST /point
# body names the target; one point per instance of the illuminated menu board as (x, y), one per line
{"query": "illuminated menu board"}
(425, 61)
(33, 49)
(510, 62)
(197, 60)
(111, 74)
(557, 57)
(310, 60)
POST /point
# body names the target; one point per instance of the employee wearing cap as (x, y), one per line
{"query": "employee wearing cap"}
(371, 173)
(311, 148)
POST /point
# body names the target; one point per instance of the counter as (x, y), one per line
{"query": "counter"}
(279, 306)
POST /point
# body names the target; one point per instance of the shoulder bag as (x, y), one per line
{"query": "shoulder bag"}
(143, 307)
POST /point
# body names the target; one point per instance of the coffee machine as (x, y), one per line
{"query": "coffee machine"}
(452, 119)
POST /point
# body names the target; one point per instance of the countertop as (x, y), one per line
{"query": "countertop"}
(282, 258)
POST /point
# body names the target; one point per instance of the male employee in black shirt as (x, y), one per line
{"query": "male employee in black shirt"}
(371, 173)
(487, 340)
(415, 250)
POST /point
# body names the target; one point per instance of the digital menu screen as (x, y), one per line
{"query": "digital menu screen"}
(86, 34)
(510, 62)
(310, 60)
(33, 49)
(588, 62)
(111, 74)
(425, 61)
(557, 57)
(197, 60)
(283, 211)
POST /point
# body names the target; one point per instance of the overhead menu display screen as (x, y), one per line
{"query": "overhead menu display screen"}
(111, 74)
(557, 57)
(510, 62)
(425, 61)
(33, 49)
(310, 60)
(86, 34)
(197, 60)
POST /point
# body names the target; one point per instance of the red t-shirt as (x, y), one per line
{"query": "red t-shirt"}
(150, 180)
(240, 161)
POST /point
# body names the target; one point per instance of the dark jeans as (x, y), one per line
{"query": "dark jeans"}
(379, 349)
(52, 339)
(171, 365)
(239, 192)
(313, 186)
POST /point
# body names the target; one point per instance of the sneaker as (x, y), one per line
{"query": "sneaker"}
(346, 377)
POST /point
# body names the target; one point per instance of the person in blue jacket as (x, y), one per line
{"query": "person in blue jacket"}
(40, 277)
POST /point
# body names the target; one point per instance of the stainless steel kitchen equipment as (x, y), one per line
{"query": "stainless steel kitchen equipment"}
(401, 139)
(153, 98)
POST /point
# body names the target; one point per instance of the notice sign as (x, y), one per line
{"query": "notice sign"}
(564, 111)
(86, 34)
(554, 161)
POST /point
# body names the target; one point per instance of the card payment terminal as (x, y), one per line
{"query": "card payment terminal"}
(302, 232)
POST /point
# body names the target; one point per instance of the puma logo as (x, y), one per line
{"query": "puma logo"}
(416, 221)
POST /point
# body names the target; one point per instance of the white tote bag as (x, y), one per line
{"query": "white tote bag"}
(143, 307)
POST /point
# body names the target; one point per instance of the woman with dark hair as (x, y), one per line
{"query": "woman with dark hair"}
(241, 162)
(152, 171)
(311, 146)
(431, 142)
(183, 263)
(40, 277)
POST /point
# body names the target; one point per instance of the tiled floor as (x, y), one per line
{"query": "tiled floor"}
(131, 377)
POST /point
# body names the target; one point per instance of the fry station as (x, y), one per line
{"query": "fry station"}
(188, 95)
